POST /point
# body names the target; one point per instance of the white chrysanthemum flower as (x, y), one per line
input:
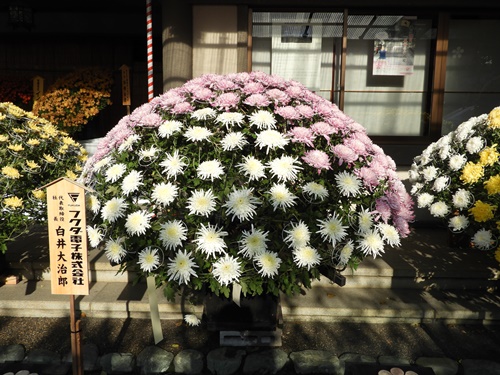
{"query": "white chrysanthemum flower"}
(284, 168)
(365, 221)
(458, 223)
(389, 234)
(103, 162)
(371, 243)
(204, 114)
(168, 128)
(174, 164)
(444, 151)
(298, 235)
(332, 229)
(439, 209)
(192, 320)
(315, 190)
(114, 250)
(462, 199)
(483, 239)
(210, 240)
(210, 169)
(271, 139)
(424, 200)
(93, 203)
(269, 263)
(345, 253)
(263, 120)
(474, 145)
(148, 154)
(132, 182)
(441, 183)
(253, 243)
(233, 141)
(457, 162)
(281, 197)
(252, 168)
(241, 204)
(229, 119)
(113, 209)
(464, 130)
(164, 193)
(417, 186)
(95, 235)
(306, 256)
(149, 259)
(127, 144)
(114, 172)
(227, 270)
(429, 173)
(348, 183)
(137, 223)
(181, 267)
(197, 133)
(172, 233)
(201, 202)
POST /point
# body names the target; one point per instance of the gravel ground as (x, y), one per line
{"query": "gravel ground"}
(132, 335)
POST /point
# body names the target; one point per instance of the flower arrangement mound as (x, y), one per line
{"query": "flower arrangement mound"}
(457, 178)
(243, 179)
(32, 153)
(73, 100)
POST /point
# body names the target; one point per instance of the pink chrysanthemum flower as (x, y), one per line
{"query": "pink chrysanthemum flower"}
(257, 100)
(203, 93)
(305, 111)
(278, 96)
(345, 154)
(302, 135)
(323, 129)
(227, 101)
(253, 88)
(317, 159)
(288, 113)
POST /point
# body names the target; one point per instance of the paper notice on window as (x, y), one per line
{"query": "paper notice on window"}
(393, 57)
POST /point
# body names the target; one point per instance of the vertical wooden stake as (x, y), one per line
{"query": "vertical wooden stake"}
(76, 344)
(153, 308)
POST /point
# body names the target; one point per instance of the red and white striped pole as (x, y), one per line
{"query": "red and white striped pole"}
(149, 26)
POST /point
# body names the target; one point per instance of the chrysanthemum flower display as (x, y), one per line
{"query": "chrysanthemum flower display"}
(32, 153)
(457, 179)
(242, 179)
(73, 100)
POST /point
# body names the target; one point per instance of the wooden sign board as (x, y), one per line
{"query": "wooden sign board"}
(37, 88)
(125, 85)
(67, 237)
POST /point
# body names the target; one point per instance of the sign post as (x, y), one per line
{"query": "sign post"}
(68, 251)
(126, 87)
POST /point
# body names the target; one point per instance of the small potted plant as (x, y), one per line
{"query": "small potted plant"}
(457, 179)
(243, 180)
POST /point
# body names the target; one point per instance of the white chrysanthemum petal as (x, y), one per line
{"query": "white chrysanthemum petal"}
(192, 320)
(439, 209)
(348, 184)
(197, 133)
(132, 182)
(226, 270)
(253, 243)
(315, 190)
(284, 168)
(181, 267)
(241, 204)
(306, 256)
(252, 168)
(114, 250)
(332, 229)
(164, 193)
(210, 169)
(114, 172)
(483, 239)
(114, 209)
(174, 164)
(210, 240)
(268, 263)
(201, 202)
(172, 233)
(229, 119)
(458, 223)
(271, 140)
(371, 243)
(281, 197)
(168, 128)
(298, 235)
(95, 235)
(389, 234)
(137, 223)
(233, 141)
(263, 120)
(149, 259)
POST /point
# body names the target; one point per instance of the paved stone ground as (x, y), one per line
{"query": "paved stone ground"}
(459, 343)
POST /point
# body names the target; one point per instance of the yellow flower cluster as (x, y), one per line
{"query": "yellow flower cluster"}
(472, 172)
(494, 118)
(483, 211)
(33, 152)
(75, 99)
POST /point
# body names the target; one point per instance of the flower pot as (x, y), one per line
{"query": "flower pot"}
(262, 312)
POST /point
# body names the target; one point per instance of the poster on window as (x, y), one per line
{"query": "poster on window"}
(394, 53)
(296, 53)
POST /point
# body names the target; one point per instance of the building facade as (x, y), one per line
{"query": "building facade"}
(407, 71)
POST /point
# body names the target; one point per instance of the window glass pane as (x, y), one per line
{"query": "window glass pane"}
(387, 73)
(298, 46)
(472, 71)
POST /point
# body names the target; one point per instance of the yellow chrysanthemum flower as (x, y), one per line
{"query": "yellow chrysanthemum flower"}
(50, 130)
(3, 138)
(33, 142)
(489, 156)
(19, 131)
(483, 211)
(13, 202)
(492, 185)
(68, 141)
(71, 175)
(494, 118)
(39, 194)
(472, 173)
(16, 111)
(11, 172)
(15, 147)
(49, 158)
(32, 164)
